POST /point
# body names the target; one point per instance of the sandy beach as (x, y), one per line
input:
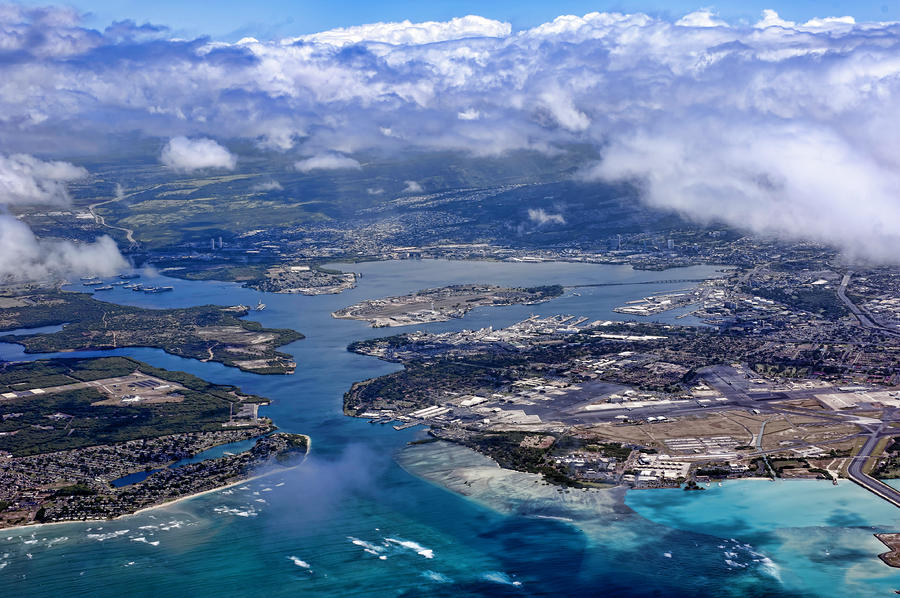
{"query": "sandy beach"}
(169, 502)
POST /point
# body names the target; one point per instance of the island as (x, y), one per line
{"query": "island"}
(289, 277)
(442, 304)
(96, 438)
(207, 332)
(304, 279)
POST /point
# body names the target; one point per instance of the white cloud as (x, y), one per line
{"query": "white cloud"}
(188, 155)
(772, 19)
(24, 257)
(736, 122)
(407, 33)
(327, 162)
(701, 18)
(374, 190)
(542, 217)
(412, 187)
(26, 180)
(270, 185)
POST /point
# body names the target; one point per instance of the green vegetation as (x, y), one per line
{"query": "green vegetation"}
(713, 472)
(226, 271)
(815, 299)
(76, 490)
(420, 382)
(71, 419)
(207, 332)
(888, 467)
(506, 448)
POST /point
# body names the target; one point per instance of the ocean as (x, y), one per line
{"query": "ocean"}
(369, 515)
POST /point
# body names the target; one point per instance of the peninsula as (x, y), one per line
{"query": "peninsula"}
(207, 332)
(72, 429)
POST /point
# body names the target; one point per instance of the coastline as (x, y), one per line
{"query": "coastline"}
(169, 502)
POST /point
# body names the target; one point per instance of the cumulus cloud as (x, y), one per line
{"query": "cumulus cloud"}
(374, 190)
(701, 18)
(541, 217)
(327, 162)
(412, 187)
(265, 186)
(778, 127)
(407, 33)
(24, 257)
(26, 180)
(188, 155)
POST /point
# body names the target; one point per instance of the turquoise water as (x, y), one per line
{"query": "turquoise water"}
(352, 521)
(809, 534)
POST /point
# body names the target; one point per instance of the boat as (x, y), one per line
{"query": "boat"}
(154, 290)
(86, 278)
(137, 288)
(92, 283)
(260, 306)
(118, 283)
(105, 287)
(131, 276)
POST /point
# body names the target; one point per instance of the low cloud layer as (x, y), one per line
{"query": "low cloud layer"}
(24, 257)
(189, 155)
(542, 217)
(775, 127)
(26, 180)
(327, 162)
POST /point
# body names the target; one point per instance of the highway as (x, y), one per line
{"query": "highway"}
(855, 471)
(863, 318)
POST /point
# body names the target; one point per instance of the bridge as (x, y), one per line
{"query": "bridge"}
(621, 284)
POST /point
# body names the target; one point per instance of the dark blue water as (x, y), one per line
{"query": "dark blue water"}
(352, 521)
(212, 453)
(133, 478)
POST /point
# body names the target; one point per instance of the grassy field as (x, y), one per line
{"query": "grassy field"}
(72, 419)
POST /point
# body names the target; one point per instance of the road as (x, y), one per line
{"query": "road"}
(855, 471)
(129, 234)
(863, 318)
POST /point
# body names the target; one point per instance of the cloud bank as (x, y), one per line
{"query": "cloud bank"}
(188, 155)
(26, 180)
(776, 127)
(24, 257)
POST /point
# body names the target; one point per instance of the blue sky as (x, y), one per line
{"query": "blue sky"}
(232, 19)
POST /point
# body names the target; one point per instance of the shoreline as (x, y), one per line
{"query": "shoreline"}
(168, 502)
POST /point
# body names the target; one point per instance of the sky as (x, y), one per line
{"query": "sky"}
(268, 19)
(776, 119)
